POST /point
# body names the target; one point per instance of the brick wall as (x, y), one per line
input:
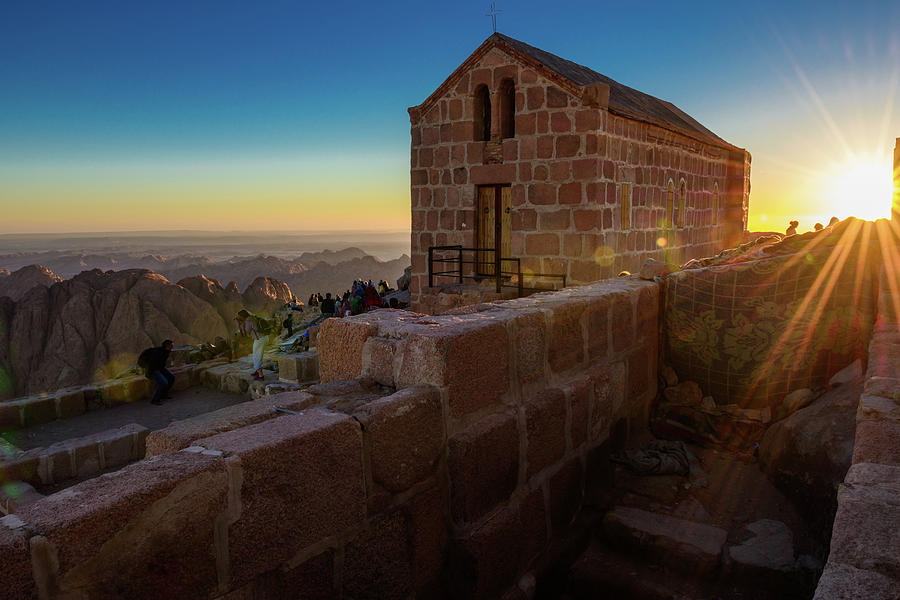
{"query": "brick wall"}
(565, 166)
(459, 478)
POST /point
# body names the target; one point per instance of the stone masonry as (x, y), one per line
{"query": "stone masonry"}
(580, 142)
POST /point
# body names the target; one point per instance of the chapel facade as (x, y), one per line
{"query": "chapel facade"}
(566, 170)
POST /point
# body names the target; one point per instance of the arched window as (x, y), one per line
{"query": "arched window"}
(670, 204)
(715, 215)
(625, 215)
(682, 202)
(507, 109)
(482, 112)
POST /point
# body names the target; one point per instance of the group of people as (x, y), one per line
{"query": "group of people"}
(361, 297)
(792, 226)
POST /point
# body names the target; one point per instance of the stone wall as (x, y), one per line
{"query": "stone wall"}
(566, 165)
(459, 472)
(864, 561)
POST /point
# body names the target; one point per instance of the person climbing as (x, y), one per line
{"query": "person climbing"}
(153, 361)
(833, 220)
(792, 230)
(818, 227)
(289, 325)
(253, 326)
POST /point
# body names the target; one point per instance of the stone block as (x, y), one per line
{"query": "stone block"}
(16, 578)
(116, 534)
(24, 468)
(686, 546)
(312, 580)
(123, 391)
(598, 328)
(121, 446)
(10, 415)
(404, 435)
(429, 540)
(486, 561)
(529, 337)
(16, 494)
(608, 395)
(470, 359)
(377, 562)
(236, 382)
(877, 442)
(35, 411)
(340, 347)
(483, 463)
(533, 520)
(302, 481)
(849, 583)
(885, 387)
(647, 313)
(59, 464)
(545, 421)
(378, 356)
(622, 322)
(182, 434)
(877, 408)
(69, 403)
(641, 373)
(864, 534)
(566, 492)
(566, 339)
(293, 367)
(86, 452)
(884, 360)
(579, 395)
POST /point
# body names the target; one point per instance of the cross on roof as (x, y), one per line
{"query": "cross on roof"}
(493, 15)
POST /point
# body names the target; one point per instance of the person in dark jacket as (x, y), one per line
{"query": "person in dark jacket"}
(153, 360)
(327, 306)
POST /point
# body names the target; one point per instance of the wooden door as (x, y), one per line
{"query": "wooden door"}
(494, 224)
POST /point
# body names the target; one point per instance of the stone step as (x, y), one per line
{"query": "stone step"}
(682, 545)
(16, 494)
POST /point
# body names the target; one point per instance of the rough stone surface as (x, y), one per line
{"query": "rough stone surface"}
(485, 562)
(483, 465)
(404, 434)
(849, 373)
(16, 579)
(545, 419)
(877, 441)
(182, 434)
(845, 582)
(680, 544)
(302, 481)
(807, 454)
(377, 563)
(340, 345)
(770, 549)
(114, 534)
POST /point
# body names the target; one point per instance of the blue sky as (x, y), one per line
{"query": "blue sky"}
(108, 107)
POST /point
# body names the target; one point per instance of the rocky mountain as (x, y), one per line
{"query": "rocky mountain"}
(16, 284)
(93, 326)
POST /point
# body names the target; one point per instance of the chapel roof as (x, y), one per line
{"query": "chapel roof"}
(623, 100)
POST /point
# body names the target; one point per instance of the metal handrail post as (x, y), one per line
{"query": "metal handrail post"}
(460, 262)
(430, 266)
(521, 283)
(497, 267)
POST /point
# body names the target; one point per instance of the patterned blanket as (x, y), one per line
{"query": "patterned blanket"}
(752, 326)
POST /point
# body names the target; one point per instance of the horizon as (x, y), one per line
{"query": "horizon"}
(263, 116)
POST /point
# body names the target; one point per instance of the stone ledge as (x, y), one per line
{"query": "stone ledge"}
(182, 434)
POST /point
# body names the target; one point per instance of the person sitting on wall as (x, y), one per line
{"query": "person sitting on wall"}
(253, 326)
(833, 220)
(153, 361)
(792, 230)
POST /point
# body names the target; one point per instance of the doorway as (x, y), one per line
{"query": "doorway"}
(494, 223)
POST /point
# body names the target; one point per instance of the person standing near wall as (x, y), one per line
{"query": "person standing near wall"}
(249, 325)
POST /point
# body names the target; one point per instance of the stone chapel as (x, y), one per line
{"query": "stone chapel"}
(538, 165)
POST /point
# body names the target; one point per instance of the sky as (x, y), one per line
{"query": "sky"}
(269, 115)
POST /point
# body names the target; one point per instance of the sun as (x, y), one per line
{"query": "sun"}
(861, 188)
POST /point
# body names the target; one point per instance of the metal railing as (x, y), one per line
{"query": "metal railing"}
(451, 261)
